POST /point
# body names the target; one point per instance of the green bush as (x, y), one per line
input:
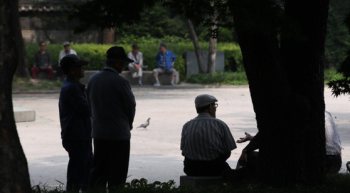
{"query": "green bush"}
(336, 183)
(224, 78)
(95, 53)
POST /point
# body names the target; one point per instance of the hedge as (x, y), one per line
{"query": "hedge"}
(95, 53)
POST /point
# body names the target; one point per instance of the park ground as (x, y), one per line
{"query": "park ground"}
(155, 152)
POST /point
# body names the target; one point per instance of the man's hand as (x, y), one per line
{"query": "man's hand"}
(137, 66)
(247, 137)
(243, 159)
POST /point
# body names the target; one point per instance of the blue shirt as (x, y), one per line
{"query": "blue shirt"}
(74, 111)
(165, 60)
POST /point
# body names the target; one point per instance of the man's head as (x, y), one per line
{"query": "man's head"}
(162, 47)
(73, 67)
(206, 104)
(66, 46)
(135, 48)
(42, 46)
(116, 58)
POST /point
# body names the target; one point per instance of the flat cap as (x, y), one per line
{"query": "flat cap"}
(204, 100)
(162, 44)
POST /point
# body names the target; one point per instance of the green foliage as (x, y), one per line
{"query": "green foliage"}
(155, 21)
(337, 39)
(224, 35)
(335, 183)
(95, 53)
(342, 85)
(224, 78)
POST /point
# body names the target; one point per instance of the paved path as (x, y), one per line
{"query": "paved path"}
(155, 153)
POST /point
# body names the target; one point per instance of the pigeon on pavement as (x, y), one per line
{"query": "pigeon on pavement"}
(144, 125)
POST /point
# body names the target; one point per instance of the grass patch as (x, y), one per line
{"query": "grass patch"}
(335, 183)
(221, 78)
(26, 84)
(240, 78)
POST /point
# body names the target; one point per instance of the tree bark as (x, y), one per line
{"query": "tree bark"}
(14, 169)
(212, 49)
(22, 69)
(308, 52)
(288, 102)
(107, 36)
(199, 54)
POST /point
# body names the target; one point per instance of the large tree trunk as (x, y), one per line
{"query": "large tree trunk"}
(200, 60)
(286, 112)
(14, 169)
(303, 61)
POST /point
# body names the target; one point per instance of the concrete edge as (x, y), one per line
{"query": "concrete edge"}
(148, 87)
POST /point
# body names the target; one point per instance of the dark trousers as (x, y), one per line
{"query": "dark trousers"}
(110, 164)
(333, 163)
(205, 168)
(80, 159)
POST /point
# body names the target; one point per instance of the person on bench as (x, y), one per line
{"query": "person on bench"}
(206, 142)
(333, 148)
(42, 62)
(136, 67)
(165, 64)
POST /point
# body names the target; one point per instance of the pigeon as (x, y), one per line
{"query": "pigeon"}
(144, 125)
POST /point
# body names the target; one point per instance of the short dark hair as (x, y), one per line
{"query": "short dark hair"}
(202, 109)
(42, 42)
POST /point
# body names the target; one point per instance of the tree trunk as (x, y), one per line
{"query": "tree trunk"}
(14, 169)
(287, 112)
(212, 47)
(200, 60)
(107, 36)
(212, 55)
(22, 69)
(307, 52)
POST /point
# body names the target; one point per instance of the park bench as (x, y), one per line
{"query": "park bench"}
(197, 181)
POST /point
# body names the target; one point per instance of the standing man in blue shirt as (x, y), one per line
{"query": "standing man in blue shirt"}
(165, 64)
(75, 123)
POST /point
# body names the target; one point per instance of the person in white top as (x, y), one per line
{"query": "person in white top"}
(333, 145)
(136, 67)
(66, 50)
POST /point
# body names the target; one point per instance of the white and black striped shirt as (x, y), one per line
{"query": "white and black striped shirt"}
(205, 138)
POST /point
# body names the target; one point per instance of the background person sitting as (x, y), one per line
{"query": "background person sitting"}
(136, 67)
(165, 64)
(42, 62)
(206, 142)
(333, 146)
(66, 50)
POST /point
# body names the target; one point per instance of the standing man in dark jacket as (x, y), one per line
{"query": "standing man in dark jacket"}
(113, 109)
(75, 123)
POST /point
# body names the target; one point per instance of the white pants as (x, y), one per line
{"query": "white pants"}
(133, 71)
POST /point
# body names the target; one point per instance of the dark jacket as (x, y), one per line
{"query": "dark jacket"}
(112, 105)
(74, 111)
(42, 60)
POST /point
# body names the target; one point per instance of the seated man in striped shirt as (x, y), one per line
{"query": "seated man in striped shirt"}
(206, 142)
